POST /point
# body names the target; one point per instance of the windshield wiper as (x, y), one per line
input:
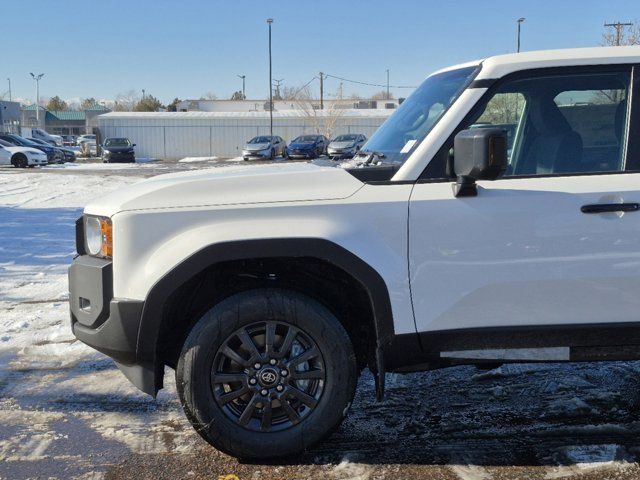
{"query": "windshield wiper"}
(372, 158)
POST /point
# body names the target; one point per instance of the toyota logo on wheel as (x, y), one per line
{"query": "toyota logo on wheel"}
(268, 377)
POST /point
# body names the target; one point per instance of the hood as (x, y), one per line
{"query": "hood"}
(302, 145)
(348, 144)
(256, 146)
(23, 149)
(287, 182)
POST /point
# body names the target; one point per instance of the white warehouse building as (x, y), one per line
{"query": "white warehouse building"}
(175, 135)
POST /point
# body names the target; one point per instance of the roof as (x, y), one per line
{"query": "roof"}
(501, 65)
(66, 115)
(31, 107)
(347, 112)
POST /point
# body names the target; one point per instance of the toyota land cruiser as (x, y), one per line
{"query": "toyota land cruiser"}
(493, 218)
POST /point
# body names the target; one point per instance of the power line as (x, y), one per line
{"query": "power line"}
(384, 85)
(618, 26)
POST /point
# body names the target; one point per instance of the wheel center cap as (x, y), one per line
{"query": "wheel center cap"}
(268, 377)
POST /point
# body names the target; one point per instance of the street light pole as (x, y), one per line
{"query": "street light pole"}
(244, 97)
(9, 80)
(520, 20)
(37, 79)
(270, 21)
(387, 84)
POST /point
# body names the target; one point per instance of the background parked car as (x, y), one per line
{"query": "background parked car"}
(86, 138)
(60, 152)
(54, 155)
(264, 146)
(69, 140)
(346, 146)
(40, 134)
(118, 150)
(21, 157)
(307, 146)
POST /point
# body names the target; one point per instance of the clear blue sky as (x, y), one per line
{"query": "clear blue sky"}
(186, 48)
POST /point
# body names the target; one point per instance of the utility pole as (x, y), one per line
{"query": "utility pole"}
(321, 91)
(278, 82)
(9, 80)
(520, 20)
(244, 97)
(618, 26)
(387, 84)
(270, 21)
(37, 79)
(143, 93)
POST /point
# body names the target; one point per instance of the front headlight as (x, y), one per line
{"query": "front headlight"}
(98, 236)
(105, 151)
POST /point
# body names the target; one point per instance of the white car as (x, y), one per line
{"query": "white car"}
(21, 157)
(494, 217)
(90, 139)
(346, 145)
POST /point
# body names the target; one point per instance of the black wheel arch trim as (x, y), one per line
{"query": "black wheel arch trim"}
(367, 276)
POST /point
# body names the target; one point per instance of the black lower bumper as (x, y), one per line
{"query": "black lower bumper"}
(109, 325)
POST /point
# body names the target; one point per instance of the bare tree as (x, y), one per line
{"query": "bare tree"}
(209, 96)
(381, 95)
(629, 35)
(125, 102)
(324, 121)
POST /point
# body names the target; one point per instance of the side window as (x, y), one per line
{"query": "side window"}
(561, 124)
(504, 110)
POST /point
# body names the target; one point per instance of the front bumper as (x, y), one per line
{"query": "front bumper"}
(256, 154)
(37, 160)
(341, 152)
(297, 153)
(120, 157)
(110, 325)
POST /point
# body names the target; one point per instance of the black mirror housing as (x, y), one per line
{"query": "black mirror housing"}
(479, 154)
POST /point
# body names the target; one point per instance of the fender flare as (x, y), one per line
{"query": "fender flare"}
(362, 272)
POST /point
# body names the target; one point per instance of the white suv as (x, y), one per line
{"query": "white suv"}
(493, 218)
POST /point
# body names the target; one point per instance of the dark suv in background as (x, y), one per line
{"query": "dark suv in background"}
(118, 149)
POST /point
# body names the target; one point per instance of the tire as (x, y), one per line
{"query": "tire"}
(245, 159)
(331, 371)
(273, 154)
(19, 161)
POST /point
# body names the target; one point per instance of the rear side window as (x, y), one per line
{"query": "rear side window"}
(561, 124)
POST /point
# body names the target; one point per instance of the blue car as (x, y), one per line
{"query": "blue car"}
(307, 146)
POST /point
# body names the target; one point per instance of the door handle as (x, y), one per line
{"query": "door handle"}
(610, 207)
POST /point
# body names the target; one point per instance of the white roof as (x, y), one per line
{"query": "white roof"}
(501, 65)
(346, 112)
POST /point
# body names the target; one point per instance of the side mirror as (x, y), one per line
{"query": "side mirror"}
(479, 154)
(133, 145)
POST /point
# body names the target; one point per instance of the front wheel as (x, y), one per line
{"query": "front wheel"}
(20, 161)
(266, 373)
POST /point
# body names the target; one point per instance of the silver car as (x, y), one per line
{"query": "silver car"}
(346, 146)
(264, 146)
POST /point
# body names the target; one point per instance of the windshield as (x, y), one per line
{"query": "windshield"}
(418, 114)
(39, 142)
(117, 142)
(305, 139)
(346, 138)
(260, 140)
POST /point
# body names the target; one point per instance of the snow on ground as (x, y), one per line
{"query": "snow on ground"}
(197, 159)
(67, 412)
